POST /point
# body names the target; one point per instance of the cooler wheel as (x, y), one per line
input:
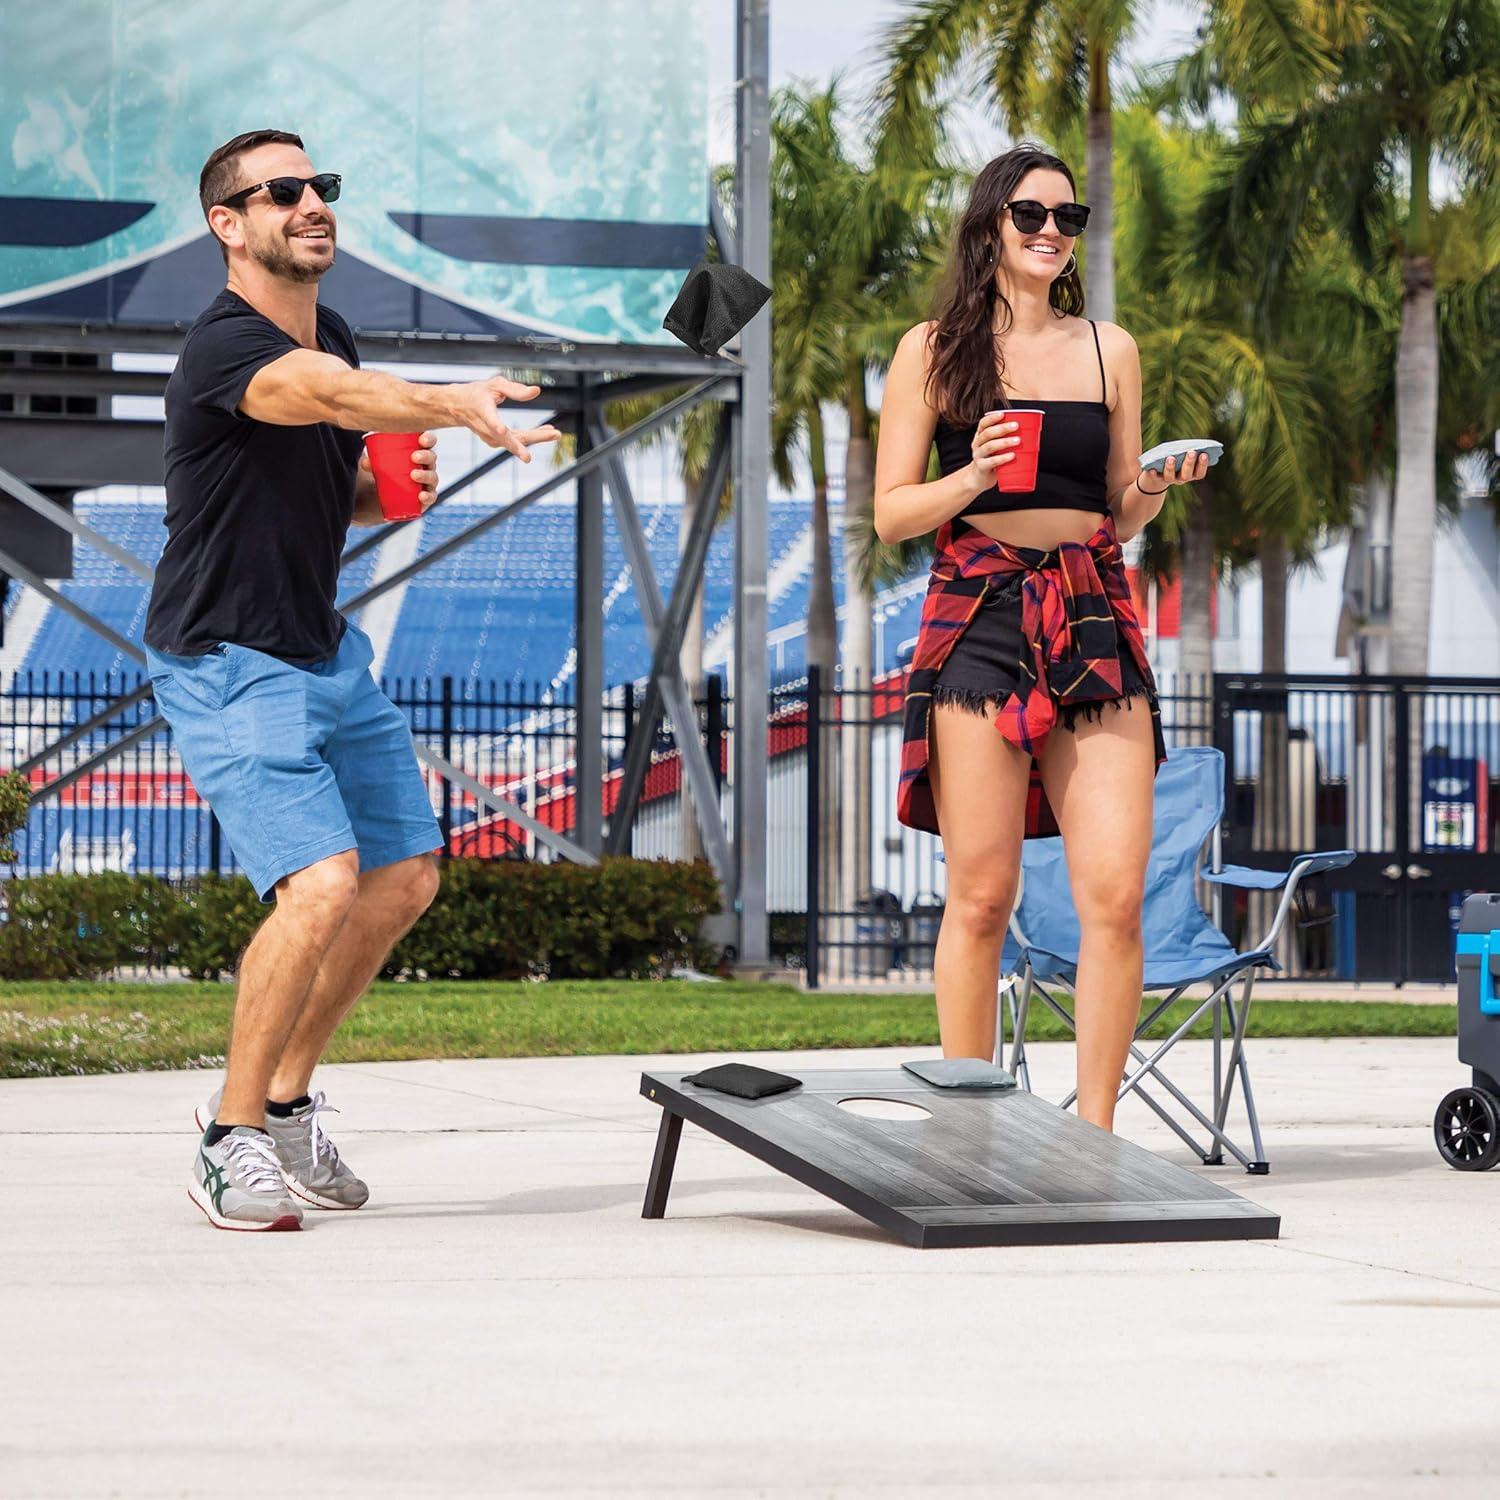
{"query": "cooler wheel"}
(1467, 1128)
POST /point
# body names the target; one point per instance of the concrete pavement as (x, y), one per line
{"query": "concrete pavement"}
(500, 1321)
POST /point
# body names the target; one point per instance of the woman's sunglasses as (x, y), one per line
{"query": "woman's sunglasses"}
(1031, 217)
(286, 191)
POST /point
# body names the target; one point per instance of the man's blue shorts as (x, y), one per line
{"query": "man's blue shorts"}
(297, 762)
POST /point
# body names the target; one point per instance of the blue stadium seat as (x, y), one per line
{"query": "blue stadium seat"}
(499, 611)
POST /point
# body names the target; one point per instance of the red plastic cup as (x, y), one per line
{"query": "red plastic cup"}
(391, 463)
(1020, 473)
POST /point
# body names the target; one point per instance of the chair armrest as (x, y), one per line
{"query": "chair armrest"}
(1270, 880)
(1315, 864)
(1246, 878)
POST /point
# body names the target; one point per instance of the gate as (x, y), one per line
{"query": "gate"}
(1397, 769)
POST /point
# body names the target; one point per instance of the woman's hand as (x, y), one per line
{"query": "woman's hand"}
(993, 442)
(1194, 467)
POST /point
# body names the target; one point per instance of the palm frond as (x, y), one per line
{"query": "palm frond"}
(877, 563)
(1328, 157)
(921, 49)
(1465, 117)
(1271, 50)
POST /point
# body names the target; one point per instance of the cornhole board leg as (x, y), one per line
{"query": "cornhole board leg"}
(659, 1184)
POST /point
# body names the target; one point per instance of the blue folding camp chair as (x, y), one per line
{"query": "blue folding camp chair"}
(1183, 948)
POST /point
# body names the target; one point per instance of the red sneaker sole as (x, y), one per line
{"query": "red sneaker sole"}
(285, 1223)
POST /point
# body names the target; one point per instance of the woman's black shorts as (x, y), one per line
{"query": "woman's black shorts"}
(983, 667)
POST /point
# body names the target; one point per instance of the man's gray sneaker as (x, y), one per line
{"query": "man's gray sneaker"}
(310, 1163)
(238, 1183)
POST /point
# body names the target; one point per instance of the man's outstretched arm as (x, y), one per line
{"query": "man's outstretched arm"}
(306, 386)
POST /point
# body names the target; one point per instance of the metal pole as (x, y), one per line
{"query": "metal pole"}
(61, 516)
(106, 715)
(588, 640)
(17, 569)
(752, 446)
(706, 391)
(1402, 800)
(381, 534)
(488, 797)
(713, 729)
(1222, 709)
(445, 819)
(666, 682)
(624, 844)
(665, 669)
(814, 820)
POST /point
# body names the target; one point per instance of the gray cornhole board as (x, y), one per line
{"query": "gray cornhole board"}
(985, 1168)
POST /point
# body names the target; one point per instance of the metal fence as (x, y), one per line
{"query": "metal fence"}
(1398, 770)
(874, 891)
(141, 813)
(1401, 771)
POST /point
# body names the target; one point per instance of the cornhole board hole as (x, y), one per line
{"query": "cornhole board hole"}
(950, 1167)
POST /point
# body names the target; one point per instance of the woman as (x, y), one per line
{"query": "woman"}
(1028, 627)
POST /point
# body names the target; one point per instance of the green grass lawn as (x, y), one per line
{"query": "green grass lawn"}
(53, 1029)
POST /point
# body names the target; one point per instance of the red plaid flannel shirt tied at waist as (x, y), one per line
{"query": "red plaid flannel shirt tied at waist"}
(1077, 618)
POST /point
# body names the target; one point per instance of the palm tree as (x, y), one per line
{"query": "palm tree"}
(848, 229)
(814, 291)
(1272, 400)
(853, 236)
(1042, 64)
(1404, 86)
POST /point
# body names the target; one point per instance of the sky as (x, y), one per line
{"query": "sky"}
(812, 39)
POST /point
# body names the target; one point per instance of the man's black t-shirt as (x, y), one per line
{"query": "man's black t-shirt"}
(256, 514)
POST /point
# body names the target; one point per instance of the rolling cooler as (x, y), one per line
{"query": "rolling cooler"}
(1467, 1124)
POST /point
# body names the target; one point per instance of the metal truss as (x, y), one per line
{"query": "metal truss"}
(606, 452)
(587, 377)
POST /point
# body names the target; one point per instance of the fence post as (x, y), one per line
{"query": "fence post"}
(814, 819)
(714, 728)
(447, 740)
(1222, 710)
(627, 714)
(1401, 787)
(627, 710)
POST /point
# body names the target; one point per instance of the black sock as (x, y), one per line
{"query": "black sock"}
(286, 1111)
(216, 1132)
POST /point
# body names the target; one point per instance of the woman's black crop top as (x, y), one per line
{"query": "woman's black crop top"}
(1071, 471)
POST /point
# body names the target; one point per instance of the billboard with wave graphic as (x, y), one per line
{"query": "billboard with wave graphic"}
(511, 167)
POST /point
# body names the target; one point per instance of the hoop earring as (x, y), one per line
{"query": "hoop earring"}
(1071, 266)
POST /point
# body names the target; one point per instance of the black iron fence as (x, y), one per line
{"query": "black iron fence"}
(140, 812)
(1399, 770)
(873, 890)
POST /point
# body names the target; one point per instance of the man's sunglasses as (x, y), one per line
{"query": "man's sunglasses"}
(287, 191)
(1031, 217)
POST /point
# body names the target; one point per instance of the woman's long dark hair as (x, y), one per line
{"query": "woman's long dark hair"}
(964, 378)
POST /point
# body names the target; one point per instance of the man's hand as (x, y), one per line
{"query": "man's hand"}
(424, 468)
(367, 510)
(474, 405)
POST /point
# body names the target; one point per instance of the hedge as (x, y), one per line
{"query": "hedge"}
(15, 803)
(503, 919)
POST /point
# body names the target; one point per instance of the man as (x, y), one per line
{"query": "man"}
(307, 765)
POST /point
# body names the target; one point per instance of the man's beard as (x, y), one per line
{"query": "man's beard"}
(274, 254)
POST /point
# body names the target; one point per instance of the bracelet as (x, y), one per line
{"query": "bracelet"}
(1152, 493)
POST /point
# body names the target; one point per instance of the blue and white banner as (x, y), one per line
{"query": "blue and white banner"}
(510, 166)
